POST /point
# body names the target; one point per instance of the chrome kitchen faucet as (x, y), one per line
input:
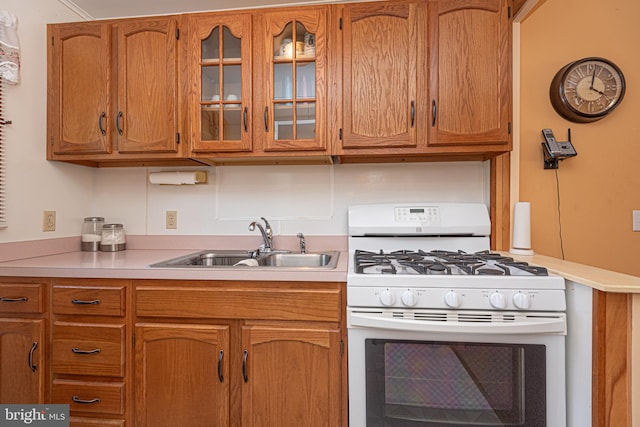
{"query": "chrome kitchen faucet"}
(267, 233)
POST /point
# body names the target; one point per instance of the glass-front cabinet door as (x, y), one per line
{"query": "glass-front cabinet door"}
(294, 114)
(221, 72)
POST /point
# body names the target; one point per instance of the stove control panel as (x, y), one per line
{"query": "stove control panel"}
(457, 298)
(430, 214)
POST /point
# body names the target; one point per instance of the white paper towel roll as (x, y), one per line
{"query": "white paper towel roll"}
(178, 177)
(521, 229)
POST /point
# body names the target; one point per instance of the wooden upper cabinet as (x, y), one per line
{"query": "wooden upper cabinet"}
(78, 106)
(147, 75)
(470, 73)
(220, 64)
(293, 80)
(381, 50)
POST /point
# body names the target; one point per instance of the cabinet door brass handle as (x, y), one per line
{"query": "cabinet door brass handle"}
(18, 299)
(30, 360)
(220, 357)
(76, 350)
(101, 123)
(266, 119)
(119, 123)
(434, 112)
(244, 118)
(244, 366)
(85, 302)
(85, 401)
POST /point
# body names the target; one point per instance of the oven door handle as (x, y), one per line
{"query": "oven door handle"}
(536, 325)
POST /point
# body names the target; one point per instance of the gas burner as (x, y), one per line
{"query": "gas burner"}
(442, 262)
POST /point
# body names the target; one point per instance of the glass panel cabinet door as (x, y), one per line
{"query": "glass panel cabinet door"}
(294, 115)
(221, 67)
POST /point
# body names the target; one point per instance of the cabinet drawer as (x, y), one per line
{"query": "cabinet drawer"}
(94, 422)
(89, 300)
(22, 298)
(88, 349)
(94, 397)
(235, 303)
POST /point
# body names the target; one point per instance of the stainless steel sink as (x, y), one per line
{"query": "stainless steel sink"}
(211, 258)
(326, 259)
(251, 259)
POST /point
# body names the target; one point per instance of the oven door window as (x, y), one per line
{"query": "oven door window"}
(446, 384)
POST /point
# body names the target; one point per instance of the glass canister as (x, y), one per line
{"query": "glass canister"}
(91, 233)
(113, 238)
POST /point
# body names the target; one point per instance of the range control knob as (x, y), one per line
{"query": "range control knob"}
(521, 300)
(452, 299)
(409, 298)
(497, 300)
(387, 298)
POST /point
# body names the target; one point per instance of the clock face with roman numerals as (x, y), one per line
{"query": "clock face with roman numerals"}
(587, 90)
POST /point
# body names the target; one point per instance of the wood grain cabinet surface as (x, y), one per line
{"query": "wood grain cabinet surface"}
(91, 352)
(396, 80)
(23, 345)
(253, 360)
(113, 92)
(470, 75)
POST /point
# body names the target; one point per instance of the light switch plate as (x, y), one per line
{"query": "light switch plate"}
(636, 220)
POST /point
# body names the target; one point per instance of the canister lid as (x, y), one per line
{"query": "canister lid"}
(113, 226)
(94, 219)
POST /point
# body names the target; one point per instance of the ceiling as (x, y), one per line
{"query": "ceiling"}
(103, 9)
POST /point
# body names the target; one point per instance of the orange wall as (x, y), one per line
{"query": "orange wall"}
(601, 186)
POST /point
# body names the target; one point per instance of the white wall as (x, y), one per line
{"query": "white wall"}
(32, 183)
(310, 199)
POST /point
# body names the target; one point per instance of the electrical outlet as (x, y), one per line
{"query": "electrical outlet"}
(172, 220)
(49, 221)
(636, 220)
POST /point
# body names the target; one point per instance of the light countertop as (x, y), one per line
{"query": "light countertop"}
(597, 278)
(134, 264)
(60, 258)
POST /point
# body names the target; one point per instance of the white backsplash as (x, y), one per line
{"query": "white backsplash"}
(312, 199)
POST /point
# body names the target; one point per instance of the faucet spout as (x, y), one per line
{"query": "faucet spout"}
(267, 234)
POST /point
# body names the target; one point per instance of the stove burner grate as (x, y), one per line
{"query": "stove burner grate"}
(442, 262)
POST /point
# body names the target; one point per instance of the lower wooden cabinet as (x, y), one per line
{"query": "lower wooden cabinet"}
(22, 354)
(91, 350)
(236, 360)
(290, 376)
(182, 375)
(22, 340)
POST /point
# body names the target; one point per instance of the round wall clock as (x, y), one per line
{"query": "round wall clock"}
(587, 90)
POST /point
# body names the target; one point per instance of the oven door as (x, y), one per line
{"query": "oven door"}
(413, 378)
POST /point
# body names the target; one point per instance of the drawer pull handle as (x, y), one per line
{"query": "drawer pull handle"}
(244, 366)
(220, 357)
(76, 350)
(83, 302)
(76, 399)
(9, 299)
(30, 361)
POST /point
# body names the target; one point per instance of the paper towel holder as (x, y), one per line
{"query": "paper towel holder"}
(521, 237)
(178, 177)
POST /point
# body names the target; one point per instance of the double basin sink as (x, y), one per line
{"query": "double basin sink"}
(248, 259)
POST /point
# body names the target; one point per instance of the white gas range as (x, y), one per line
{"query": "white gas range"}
(425, 295)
